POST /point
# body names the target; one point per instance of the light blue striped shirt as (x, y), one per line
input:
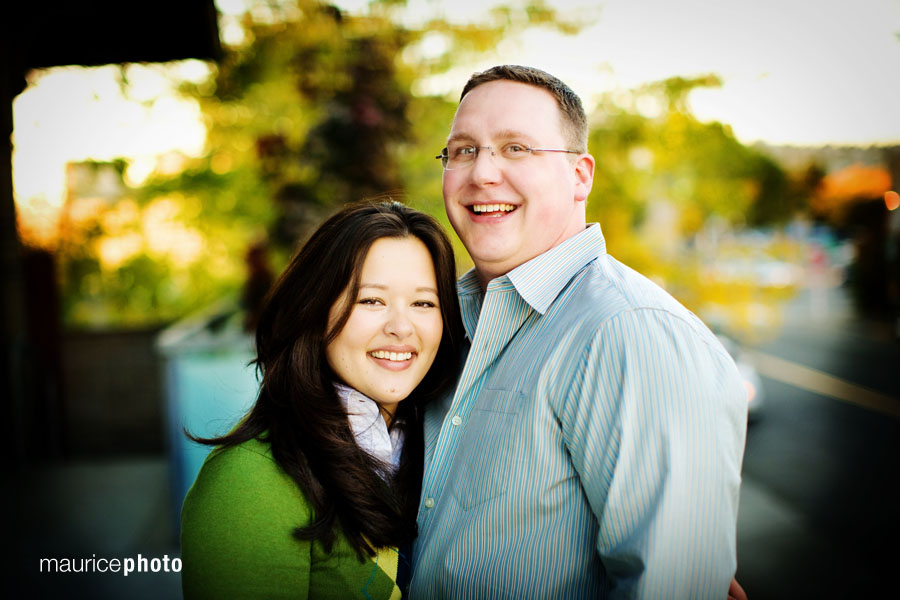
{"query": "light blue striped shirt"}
(592, 447)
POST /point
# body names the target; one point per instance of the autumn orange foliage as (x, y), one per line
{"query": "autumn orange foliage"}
(842, 189)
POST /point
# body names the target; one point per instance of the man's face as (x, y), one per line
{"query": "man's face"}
(540, 197)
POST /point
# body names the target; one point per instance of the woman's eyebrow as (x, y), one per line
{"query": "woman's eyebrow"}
(381, 286)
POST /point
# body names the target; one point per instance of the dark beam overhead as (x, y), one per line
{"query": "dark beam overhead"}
(98, 32)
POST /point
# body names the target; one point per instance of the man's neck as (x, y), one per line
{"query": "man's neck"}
(485, 277)
(486, 273)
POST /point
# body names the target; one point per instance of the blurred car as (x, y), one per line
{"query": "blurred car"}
(762, 271)
(752, 381)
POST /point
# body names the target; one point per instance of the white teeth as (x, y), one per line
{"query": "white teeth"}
(394, 356)
(489, 208)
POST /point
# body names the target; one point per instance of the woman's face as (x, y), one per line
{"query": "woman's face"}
(394, 328)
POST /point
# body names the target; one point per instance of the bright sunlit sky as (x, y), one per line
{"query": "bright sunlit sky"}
(802, 72)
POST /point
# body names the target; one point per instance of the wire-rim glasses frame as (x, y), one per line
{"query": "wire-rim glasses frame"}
(465, 156)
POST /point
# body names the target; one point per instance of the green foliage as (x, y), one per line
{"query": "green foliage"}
(316, 108)
(314, 105)
(671, 157)
(422, 171)
(145, 259)
(662, 176)
(312, 110)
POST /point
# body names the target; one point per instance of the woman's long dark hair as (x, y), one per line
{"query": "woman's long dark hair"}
(297, 410)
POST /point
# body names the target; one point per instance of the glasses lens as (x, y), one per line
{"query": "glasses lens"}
(460, 156)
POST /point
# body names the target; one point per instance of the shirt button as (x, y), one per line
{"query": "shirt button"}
(429, 502)
(456, 420)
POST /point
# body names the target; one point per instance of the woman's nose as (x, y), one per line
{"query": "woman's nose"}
(399, 324)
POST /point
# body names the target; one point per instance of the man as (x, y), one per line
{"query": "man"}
(593, 445)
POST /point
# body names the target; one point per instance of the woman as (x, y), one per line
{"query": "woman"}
(317, 488)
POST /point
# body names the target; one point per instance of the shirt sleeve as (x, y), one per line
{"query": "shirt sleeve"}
(654, 419)
(236, 530)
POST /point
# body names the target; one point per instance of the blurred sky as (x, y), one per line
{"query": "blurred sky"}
(803, 72)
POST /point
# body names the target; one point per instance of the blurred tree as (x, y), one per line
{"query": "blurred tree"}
(313, 109)
(309, 108)
(838, 193)
(651, 151)
(125, 262)
(700, 167)
(853, 202)
(662, 177)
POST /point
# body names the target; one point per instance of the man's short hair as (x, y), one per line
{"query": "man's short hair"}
(572, 117)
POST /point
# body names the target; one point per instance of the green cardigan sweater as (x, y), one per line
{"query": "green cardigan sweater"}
(236, 537)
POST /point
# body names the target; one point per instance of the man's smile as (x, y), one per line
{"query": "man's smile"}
(491, 210)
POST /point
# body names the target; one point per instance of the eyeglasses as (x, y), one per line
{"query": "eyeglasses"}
(461, 157)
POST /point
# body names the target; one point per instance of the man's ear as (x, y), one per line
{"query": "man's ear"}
(584, 176)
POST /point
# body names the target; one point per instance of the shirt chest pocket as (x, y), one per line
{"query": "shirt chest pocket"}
(487, 457)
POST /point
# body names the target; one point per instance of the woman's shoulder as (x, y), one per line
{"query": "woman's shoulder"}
(246, 478)
(255, 452)
(237, 525)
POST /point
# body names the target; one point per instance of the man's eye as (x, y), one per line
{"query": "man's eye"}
(510, 149)
(464, 151)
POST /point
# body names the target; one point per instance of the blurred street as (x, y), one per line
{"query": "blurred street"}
(819, 512)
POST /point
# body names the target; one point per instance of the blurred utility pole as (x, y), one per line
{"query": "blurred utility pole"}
(40, 35)
(12, 301)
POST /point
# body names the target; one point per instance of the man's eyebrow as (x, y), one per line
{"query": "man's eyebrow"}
(460, 137)
(508, 134)
(504, 134)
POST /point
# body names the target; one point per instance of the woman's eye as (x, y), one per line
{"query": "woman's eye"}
(370, 301)
(425, 304)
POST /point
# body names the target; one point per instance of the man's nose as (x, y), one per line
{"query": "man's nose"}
(484, 168)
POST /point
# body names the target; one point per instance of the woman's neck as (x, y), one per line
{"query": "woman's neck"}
(387, 415)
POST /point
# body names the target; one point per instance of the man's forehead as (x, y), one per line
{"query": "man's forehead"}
(505, 109)
(503, 94)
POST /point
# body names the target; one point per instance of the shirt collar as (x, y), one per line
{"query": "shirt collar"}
(540, 280)
(468, 288)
